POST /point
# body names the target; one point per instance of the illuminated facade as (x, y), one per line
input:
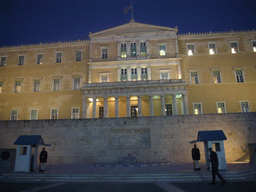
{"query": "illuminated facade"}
(131, 70)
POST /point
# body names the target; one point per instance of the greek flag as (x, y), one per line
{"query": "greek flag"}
(126, 9)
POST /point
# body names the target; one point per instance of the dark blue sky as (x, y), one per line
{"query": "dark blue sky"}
(35, 21)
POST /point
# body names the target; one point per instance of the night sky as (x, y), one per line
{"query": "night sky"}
(35, 21)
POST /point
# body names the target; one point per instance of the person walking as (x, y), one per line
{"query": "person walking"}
(43, 160)
(196, 157)
(215, 163)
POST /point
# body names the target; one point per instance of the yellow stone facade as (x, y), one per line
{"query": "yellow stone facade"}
(130, 70)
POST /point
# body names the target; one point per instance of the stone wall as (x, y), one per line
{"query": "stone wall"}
(165, 138)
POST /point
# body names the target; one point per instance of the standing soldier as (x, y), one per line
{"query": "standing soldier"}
(196, 157)
(43, 160)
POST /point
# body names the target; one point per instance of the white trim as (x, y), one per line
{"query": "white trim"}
(54, 84)
(36, 114)
(240, 102)
(225, 109)
(236, 69)
(73, 84)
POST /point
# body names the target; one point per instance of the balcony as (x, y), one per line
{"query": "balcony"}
(149, 56)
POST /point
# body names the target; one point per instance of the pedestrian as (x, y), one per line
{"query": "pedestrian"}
(43, 160)
(215, 163)
(196, 157)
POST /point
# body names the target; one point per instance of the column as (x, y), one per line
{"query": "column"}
(84, 115)
(179, 72)
(151, 103)
(163, 105)
(149, 73)
(129, 74)
(137, 49)
(119, 51)
(116, 107)
(174, 102)
(139, 106)
(176, 47)
(139, 73)
(119, 74)
(94, 107)
(128, 107)
(105, 114)
(147, 47)
(185, 104)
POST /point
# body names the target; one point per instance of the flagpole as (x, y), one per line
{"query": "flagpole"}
(132, 10)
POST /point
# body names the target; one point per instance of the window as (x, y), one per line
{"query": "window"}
(143, 49)
(58, 57)
(239, 76)
(54, 113)
(36, 85)
(221, 107)
(1, 87)
(168, 109)
(17, 88)
(14, 115)
(33, 114)
(104, 53)
(123, 50)
(244, 106)
(21, 60)
(78, 55)
(123, 74)
(104, 78)
(56, 84)
(3, 61)
(144, 73)
(39, 59)
(212, 48)
(133, 50)
(193, 78)
(75, 113)
(76, 83)
(162, 50)
(23, 150)
(190, 49)
(164, 75)
(197, 108)
(216, 77)
(254, 46)
(133, 73)
(233, 47)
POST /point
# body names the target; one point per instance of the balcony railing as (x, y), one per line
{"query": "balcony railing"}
(149, 56)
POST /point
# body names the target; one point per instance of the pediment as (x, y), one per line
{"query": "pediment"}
(131, 28)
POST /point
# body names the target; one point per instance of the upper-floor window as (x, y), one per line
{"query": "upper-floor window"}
(244, 106)
(133, 73)
(75, 113)
(78, 55)
(104, 53)
(190, 49)
(56, 84)
(21, 60)
(17, 88)
(14, 115)
(54, 113)
(123, 74)
(162, 50)
(58, 57)
(39, 59)
(36, 85)
(239, 76)
(33, 114)
(133, 50)
(1, 87)
(216, 77)
(123, 50)
(233, 47)
(221, 108)
(212, 48)
(193, 77)
(197, 108)
(144, 73)
(3, 61)
(77, 82)
(254, 46)
(143, 49)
